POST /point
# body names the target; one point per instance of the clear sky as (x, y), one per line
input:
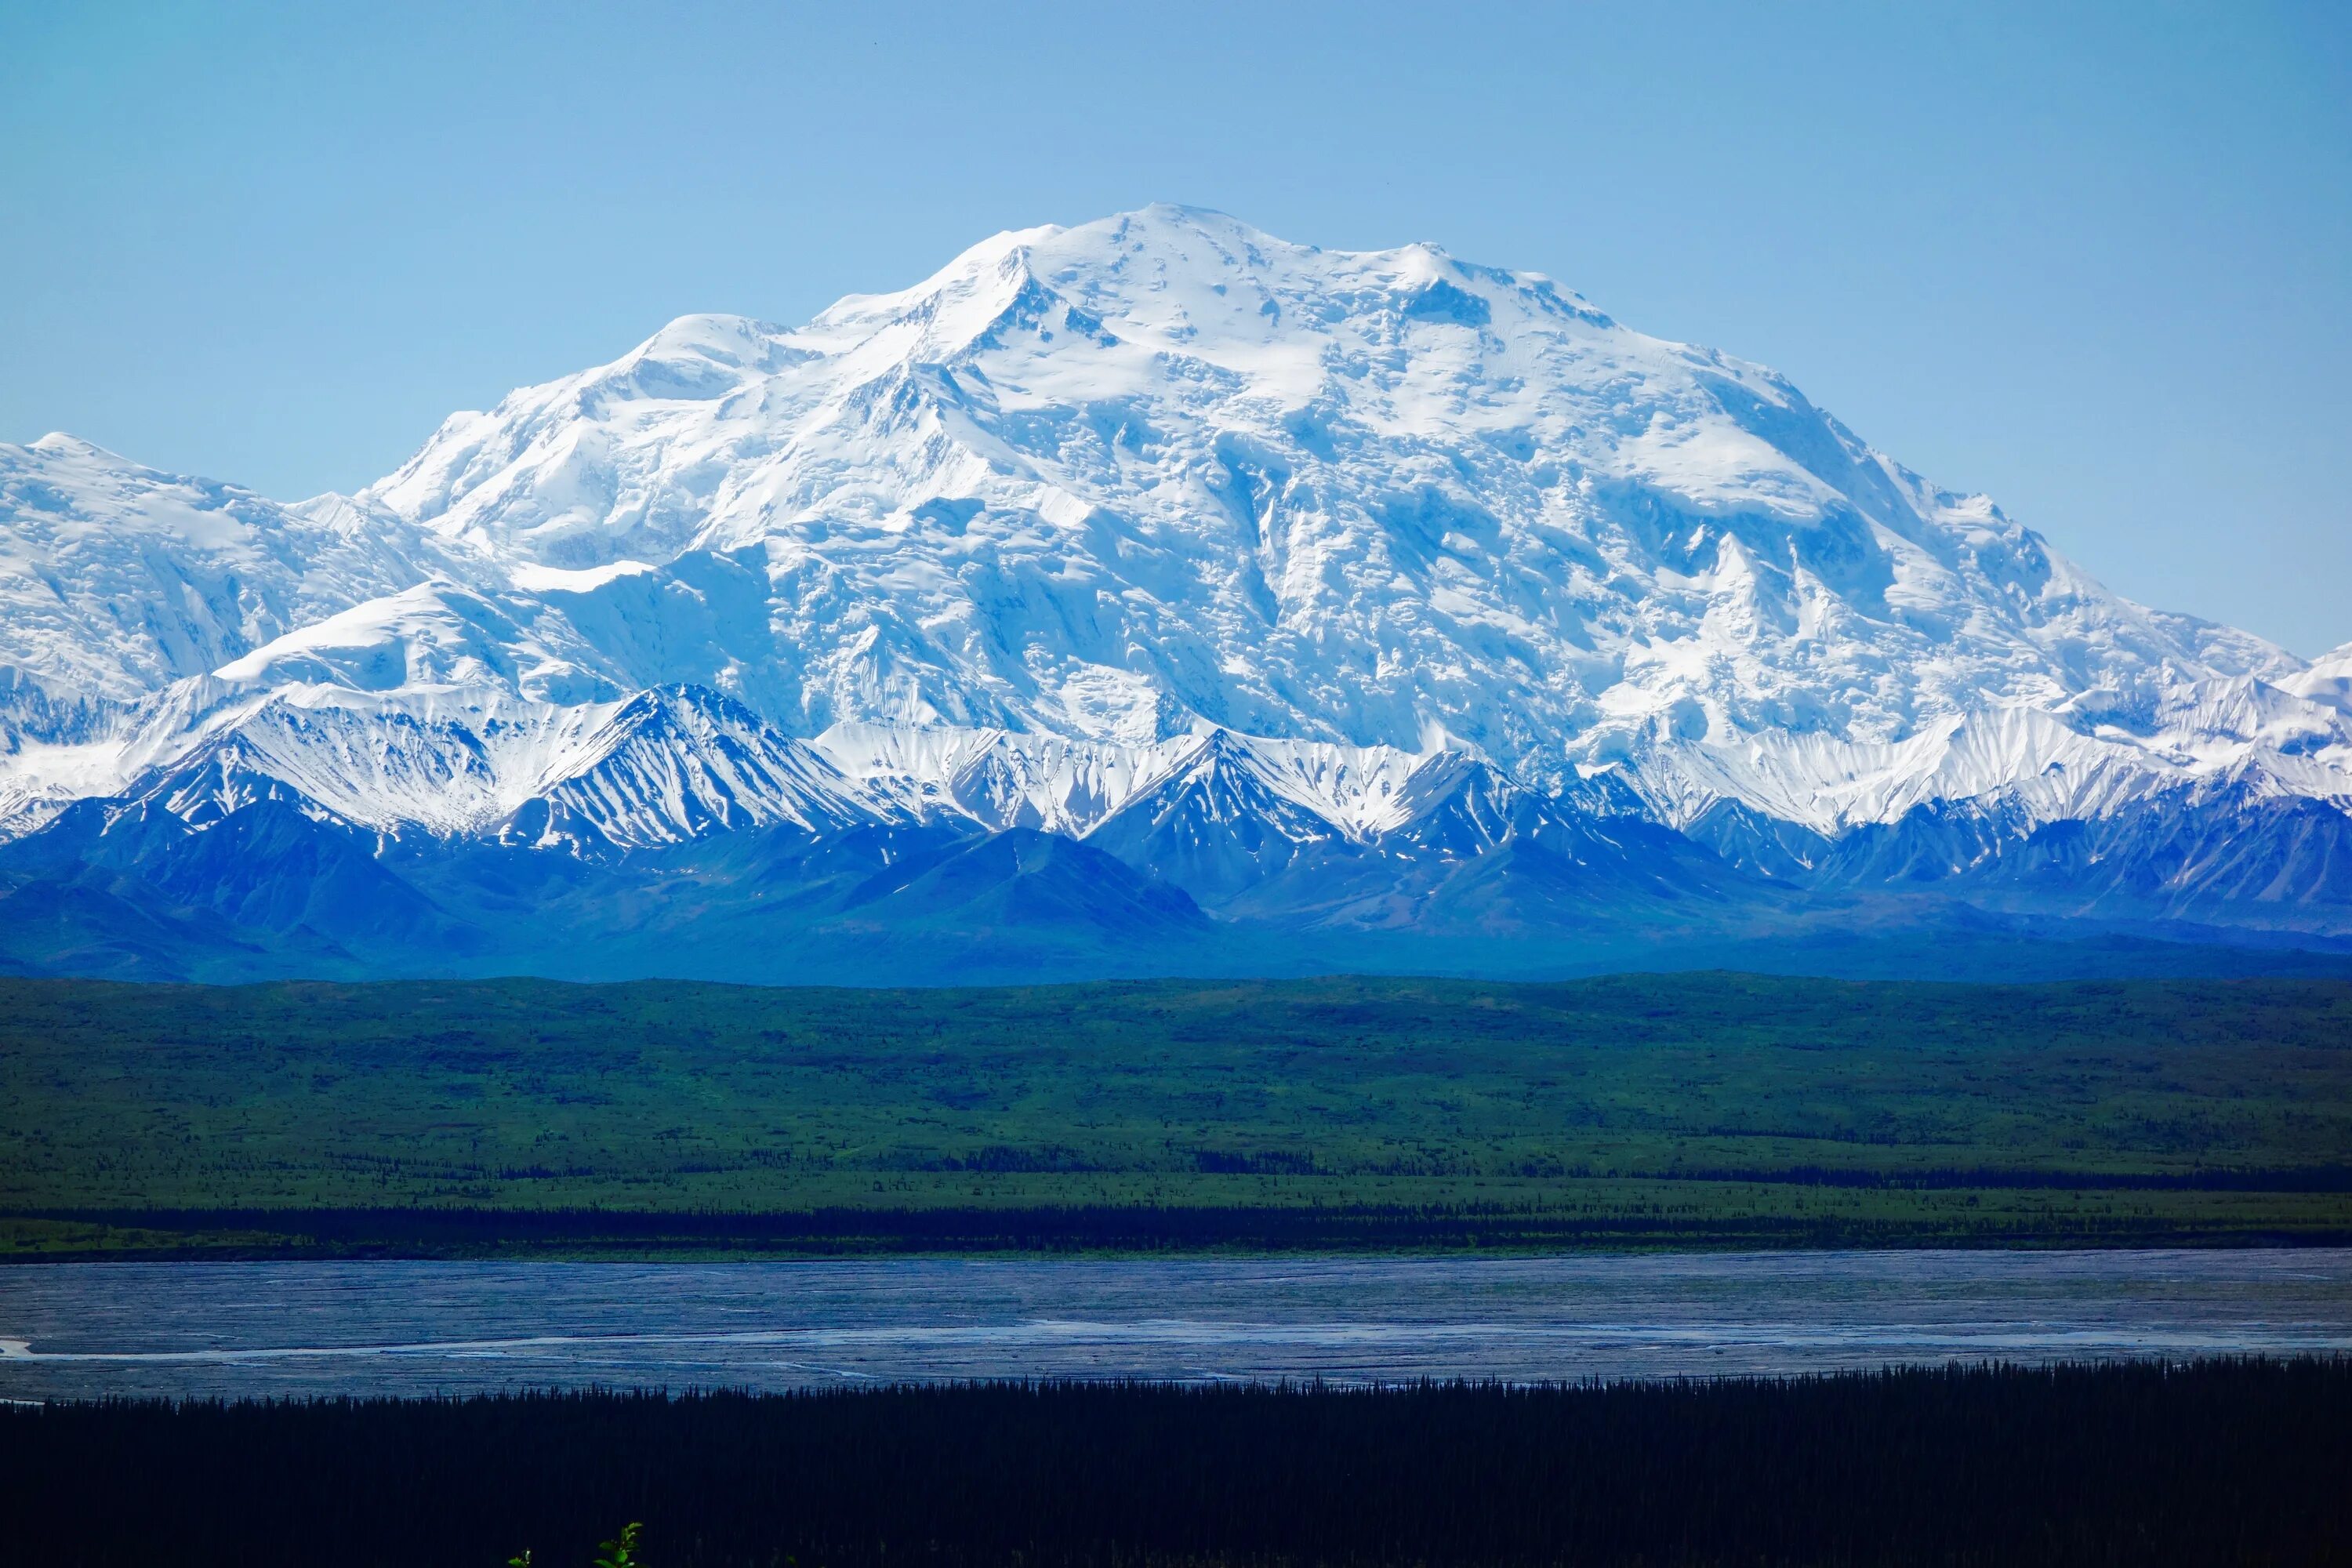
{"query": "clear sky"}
(2096, 260)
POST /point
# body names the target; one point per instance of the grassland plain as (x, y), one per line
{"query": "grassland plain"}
(1632, 1111)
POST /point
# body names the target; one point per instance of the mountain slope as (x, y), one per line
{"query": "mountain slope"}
(681, 764)
(116, 580)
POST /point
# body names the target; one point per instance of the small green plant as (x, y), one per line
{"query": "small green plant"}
(621, 1554)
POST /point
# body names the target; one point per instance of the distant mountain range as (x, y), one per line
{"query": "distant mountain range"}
(1152, 595)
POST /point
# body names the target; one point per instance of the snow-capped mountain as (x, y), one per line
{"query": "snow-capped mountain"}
(1370, 587)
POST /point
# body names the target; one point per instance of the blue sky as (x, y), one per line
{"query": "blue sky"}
(2096, 260)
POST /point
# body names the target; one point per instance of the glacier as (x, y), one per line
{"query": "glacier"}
(1144, 595)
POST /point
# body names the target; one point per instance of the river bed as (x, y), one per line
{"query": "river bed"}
(79, 1330)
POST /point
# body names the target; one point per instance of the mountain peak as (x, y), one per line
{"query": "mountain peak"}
(986, 269)
(1084, 478)
(60, 442)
